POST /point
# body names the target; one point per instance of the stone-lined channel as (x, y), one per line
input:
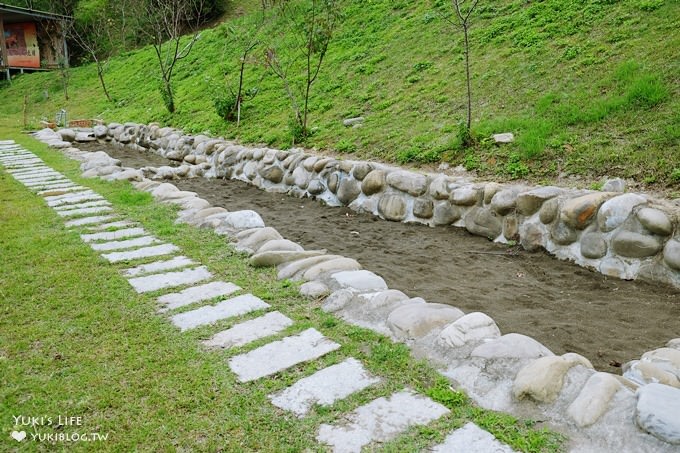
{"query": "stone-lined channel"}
(567, 308)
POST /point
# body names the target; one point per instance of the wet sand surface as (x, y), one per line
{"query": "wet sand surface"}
(566, 307)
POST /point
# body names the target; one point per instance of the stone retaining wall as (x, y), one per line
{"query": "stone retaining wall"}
(624, 235)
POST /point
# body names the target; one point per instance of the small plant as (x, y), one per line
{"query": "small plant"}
(345, 146)
(675, 175)
(515, 167)
(224, 106)
(650, 5)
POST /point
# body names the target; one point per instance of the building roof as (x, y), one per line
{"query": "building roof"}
(11, 14)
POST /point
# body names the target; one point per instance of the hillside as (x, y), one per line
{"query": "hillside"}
(590, 88)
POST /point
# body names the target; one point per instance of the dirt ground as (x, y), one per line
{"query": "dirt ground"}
(566, 307)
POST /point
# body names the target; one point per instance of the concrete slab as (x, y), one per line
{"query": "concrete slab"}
(380, 420)
(85, 211)
(210, 314)
(146, 252)
(90, 220)
(47, 183)
(40, 170)
(249, 331)
(72, 199)
(324, 387)
(280, 355)
(40, 178)
(197, 294)
(87, 204)
(67, 196)
(471, 439)
(125, 244)
(113, 235)
(68, 189)
(116, 225)
(155, 282)
(156, 266)
(58, 186)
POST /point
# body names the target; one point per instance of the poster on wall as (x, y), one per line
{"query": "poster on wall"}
(21, 41)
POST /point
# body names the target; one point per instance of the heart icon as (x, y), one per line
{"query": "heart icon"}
(18, 435)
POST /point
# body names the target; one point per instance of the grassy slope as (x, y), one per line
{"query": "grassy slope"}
(589, 87)
(75, 339)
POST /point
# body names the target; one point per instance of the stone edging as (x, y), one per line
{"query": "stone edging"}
(510, 372)
(624, 235)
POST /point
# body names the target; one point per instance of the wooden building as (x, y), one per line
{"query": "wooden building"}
(31, 40)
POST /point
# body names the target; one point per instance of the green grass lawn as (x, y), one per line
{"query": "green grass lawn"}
(590, 89)
(76, 340)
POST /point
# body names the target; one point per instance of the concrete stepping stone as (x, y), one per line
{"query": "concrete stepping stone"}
(237, 306)
(53, 198)
(249, 331)
(84, 211)
(280, 355)
(170, 279)
(87, 204)
(113, 235)
(66, 189)
(471, 439)
(197, 294)
(73, 199)
(125, 244)
(380, 420)
(324, 387)
(151, 268)
(41, 177)
(51, 182)
(41, 171)
(117, 225)
(145, 252)
(60, 186)
(90, 220)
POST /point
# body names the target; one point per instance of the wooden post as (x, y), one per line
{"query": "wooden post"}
(25, 111)
(3, 47)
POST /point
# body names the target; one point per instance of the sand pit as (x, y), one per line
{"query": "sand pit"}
(567, 308)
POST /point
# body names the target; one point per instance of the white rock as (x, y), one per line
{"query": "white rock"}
(593, 400)
(657, 411)
(513, 346)
(361, 280)
(240, 220)
(473, 327)
(417, 320)
(541, 379)
(506, 137)
(615, 211)
(314, 289)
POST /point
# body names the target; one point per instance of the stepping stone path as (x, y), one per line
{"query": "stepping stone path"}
(380, 420)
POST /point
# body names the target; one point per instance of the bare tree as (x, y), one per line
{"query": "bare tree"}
(315, 32)
(245, 39)
(95, 36)
(464, 9)
(166, 21)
